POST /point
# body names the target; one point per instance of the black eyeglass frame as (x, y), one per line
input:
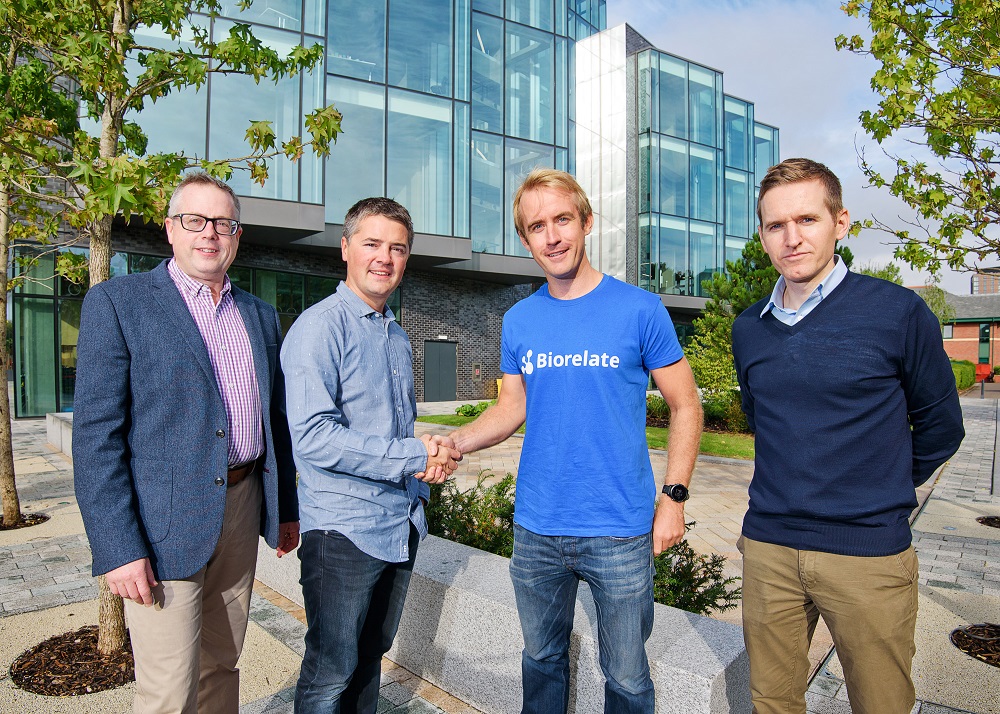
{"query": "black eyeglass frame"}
(215, 226)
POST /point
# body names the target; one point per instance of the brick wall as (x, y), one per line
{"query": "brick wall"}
(964, 342)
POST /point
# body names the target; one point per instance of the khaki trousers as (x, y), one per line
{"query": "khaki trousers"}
(187, 643)
(869, 604)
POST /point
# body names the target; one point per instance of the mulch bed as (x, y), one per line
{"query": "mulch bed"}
(992, 521)
(27, 520)
(981, 642)
(69, 664)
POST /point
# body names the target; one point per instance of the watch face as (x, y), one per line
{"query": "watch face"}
(677, 492)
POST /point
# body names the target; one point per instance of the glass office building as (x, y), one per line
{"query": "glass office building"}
(447, 104)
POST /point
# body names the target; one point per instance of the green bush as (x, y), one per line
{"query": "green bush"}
(656, 407)
(472, 410)
(690, 581)
(724, 412)
(965, 373)
(483, 517)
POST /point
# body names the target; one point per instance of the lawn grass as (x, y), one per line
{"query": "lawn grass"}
(733, 446)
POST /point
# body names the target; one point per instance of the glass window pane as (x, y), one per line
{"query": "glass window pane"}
(241, 277)
(702, 92)
(38, 269)
(314, 19)
(648, 250)
(702, 183)
(530, 60)
(420, 42)
(319, 287)
(737, 205)
(645, 172)
(487, 209)
(562, 97)
(734, 248)
(355, 45)
(286, 14)
(237, 100)
(673, 97)
(463, 20)
(673, 176)
(35, 356)
(419, 151)
(69, 332)
(522, 157)
(737, 143)
(645, 99)
(143, 263)
(285, 291)
(159, 120)
(536, 13)
(765, 150)
(461, 197)
(702, 256)
(355, 167)
(310, 165)
(673, 264)
(487, 73)
(494, 7)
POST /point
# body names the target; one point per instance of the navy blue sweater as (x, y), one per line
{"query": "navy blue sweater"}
(853, 407)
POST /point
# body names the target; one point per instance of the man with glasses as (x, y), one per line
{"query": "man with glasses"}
(182, 454)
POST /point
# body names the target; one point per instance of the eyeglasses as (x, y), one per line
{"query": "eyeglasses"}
(194, 223)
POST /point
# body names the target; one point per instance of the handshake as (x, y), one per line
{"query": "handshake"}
(442, 458)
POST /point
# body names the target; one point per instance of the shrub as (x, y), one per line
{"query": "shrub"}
(724, 412)
(965, 373)
(472, 410)
(656, 407)
(483, 517)
(690, 581)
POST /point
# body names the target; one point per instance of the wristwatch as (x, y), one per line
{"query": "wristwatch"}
(676, 492)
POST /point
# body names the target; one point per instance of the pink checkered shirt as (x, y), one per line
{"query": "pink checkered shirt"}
(225, 336)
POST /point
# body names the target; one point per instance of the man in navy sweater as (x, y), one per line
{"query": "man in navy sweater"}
(846, 383)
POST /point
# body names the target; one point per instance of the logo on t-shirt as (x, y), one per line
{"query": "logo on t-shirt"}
(586, 358)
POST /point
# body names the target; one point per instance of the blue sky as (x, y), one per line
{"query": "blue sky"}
(780, 55)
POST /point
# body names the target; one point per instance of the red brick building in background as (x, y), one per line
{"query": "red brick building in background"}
(974, 333)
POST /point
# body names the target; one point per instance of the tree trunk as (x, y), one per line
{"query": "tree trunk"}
(111, 617)
(110, 620)
(8, 487)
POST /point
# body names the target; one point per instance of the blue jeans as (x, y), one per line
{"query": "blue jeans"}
(353, 603)
(546, 571)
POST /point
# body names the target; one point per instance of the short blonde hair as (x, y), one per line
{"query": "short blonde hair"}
(795, 170)
(557, 180)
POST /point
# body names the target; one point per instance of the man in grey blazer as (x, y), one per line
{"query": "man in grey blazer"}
(182, 454)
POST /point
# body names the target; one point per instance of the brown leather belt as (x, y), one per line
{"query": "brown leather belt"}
(238, 473)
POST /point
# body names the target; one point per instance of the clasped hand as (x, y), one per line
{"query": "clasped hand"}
(442, 458)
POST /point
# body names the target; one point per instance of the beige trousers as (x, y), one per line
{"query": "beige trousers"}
(869, 604)
(187, 643)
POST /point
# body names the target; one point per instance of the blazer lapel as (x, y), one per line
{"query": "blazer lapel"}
(170, 301)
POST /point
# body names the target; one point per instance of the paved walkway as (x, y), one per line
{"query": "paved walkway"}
(958, 561)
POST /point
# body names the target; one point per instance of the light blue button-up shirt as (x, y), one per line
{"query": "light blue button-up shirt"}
(776, 304)
(351, 408)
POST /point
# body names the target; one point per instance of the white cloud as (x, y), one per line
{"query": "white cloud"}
(780, 55)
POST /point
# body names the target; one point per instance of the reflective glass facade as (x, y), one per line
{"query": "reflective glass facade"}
(700, 157)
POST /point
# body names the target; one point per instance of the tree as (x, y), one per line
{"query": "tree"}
(937, 301)
(890, 271)
(32, 112)
(939, 94)
(96, 47)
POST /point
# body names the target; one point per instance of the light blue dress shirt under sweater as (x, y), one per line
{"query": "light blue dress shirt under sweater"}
(776, 304)
(351, 408)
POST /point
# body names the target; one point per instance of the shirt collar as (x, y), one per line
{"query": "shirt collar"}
(358, 306)
(191, 286)
(828, 283)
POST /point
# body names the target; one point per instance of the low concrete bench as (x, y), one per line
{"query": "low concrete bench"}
(460, 631)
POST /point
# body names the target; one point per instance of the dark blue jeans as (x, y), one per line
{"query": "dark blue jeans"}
(546, 571)
(353, 603)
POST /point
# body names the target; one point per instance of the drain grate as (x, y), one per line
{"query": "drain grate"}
(981, 642)
(992, 521)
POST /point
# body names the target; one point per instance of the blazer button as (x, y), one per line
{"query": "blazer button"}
(220, 433)
(219, 481)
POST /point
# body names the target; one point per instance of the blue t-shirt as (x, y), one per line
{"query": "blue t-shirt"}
(584, 467)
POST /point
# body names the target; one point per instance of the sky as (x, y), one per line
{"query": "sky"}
(780, 55)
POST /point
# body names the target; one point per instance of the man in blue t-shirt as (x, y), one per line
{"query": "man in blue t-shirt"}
(576, 358)
(846, 384)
